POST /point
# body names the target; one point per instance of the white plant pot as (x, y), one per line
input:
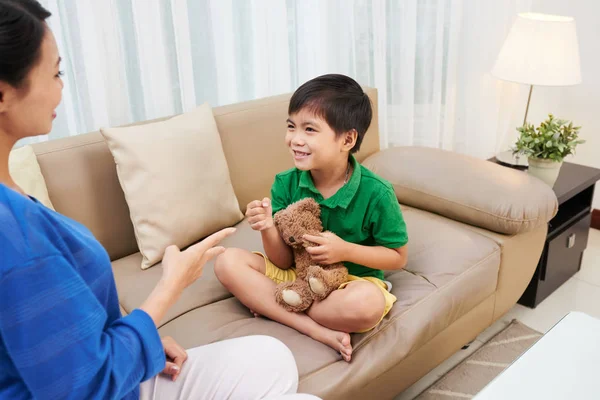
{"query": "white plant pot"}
(546, 170)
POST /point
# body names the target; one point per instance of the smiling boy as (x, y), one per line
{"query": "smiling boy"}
(328, 119)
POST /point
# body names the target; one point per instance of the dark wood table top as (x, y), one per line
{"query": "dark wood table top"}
(573, 178)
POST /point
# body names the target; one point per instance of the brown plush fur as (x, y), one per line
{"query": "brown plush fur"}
(314, 282)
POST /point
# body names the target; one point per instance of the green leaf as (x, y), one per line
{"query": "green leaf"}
(552, 139)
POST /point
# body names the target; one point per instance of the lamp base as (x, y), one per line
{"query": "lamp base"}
(517, 161)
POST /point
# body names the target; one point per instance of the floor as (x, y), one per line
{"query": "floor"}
(580, 293)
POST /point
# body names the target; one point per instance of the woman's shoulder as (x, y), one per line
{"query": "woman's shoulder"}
(24, 229)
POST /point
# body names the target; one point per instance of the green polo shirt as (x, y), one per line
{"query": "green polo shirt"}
(364, 211)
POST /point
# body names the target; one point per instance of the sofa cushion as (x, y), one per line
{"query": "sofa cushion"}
(25, 171)
(175, 179)
(451, 270)
(493, 197)
(134, 285)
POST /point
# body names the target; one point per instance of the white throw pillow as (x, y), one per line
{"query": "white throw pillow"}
(25, 171)
(175, 179)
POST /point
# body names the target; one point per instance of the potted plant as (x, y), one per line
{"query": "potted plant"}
(547, 145)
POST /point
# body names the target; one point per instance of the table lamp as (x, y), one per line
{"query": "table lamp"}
(540, 49)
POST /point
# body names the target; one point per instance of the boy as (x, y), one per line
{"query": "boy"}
(328, 118)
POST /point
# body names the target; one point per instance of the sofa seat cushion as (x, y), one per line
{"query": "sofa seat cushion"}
(134, 285)
(451, 270)
(230, 319)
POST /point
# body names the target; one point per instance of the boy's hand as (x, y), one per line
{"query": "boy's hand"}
(260, 214)
(330, 250)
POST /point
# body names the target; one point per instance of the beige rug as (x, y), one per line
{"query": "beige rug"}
(476, 371)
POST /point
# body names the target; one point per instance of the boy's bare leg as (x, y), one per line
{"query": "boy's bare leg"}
(243, 274)
(357, 307)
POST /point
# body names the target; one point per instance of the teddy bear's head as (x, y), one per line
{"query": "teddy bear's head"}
(298, 219)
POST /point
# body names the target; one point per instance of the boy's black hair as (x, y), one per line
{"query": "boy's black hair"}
(337, 99)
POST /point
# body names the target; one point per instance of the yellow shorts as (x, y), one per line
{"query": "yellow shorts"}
(279, 275)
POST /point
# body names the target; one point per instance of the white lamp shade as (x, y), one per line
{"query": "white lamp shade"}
(540, 49)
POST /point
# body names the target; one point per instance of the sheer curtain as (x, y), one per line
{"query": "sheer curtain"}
(132, 60)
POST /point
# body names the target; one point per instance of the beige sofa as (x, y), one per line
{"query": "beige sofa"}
(476, 233)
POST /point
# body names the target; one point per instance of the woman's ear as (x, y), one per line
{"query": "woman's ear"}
(350, 138)
(7, 93)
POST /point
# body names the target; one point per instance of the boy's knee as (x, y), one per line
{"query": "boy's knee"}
(365, 306)
(226, 262)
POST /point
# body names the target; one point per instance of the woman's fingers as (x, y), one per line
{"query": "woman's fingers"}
(171, 369)
(176, 356)
(212, 253)
(217, 237)
(211, 241)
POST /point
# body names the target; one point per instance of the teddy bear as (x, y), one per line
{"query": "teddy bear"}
(313, 282)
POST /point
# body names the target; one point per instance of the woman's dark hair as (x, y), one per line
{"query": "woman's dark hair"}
(337, 99)
(22, 30)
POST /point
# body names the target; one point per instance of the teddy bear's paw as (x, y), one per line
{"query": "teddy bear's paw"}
(291, 298)
(317, 279)
(294, 296)
(317, 286)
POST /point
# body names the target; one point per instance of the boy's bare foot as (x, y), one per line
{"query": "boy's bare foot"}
(339, 341)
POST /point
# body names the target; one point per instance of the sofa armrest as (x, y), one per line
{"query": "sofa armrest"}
(466, 189)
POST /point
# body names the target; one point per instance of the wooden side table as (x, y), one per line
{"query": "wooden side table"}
(567, 232)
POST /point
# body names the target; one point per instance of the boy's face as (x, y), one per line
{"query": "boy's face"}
(313, 144)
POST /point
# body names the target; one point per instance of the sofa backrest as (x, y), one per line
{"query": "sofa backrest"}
(82, 178)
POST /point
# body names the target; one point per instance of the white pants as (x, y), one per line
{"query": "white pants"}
(252, 367)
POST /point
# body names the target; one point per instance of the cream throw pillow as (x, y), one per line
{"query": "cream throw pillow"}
(176, 181)
(25, 171)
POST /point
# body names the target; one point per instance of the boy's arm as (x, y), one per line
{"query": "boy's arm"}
(389, 233)
(276, 249)
(377, 257)
(260, 217)
(388, 229)
(331, 249)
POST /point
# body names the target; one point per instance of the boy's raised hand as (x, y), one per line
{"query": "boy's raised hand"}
(260, 214)
(330, 248)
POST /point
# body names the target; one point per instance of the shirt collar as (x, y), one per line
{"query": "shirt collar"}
(342, 197)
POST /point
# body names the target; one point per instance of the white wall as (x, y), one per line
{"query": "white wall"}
(580, 103)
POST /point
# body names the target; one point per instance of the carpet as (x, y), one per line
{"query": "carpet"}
(470, 376)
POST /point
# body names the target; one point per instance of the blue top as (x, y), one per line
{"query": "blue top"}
(61, 330)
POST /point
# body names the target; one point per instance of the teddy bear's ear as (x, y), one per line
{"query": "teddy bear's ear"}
(310, 205)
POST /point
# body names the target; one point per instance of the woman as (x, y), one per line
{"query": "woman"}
(61, 332)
